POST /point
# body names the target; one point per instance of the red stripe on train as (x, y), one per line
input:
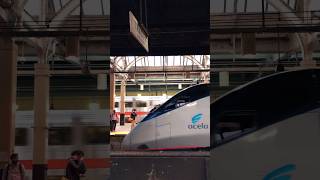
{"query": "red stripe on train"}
(61, 163)
(140, 113)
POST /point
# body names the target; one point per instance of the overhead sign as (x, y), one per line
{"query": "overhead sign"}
(138, 33)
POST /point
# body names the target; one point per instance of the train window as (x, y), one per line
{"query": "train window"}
(60, 136)
(171, 105)
(182, 100)
(141, 104)
(21, 138)
(116, 104)
(95, 135)
(129, 104)
(192, 94)
(234, 124)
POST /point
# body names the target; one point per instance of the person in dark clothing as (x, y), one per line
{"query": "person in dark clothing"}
(75, 167)
(133, 116)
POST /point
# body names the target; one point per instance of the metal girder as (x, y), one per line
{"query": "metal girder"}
(132, 63)
(164, 71)
(64, 12)
(127, 63)
(287, 29)
(282, 6)
(28, 20)
(3, 14)
(194, 60)
(305, 39)
(62, 72)
(57, 33)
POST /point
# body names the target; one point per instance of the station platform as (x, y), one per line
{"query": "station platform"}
(117, 137)
(122, 130)
(160, 165)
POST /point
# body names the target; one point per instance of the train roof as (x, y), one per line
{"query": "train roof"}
(254, 82)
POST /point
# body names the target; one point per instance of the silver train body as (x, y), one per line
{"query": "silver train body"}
(182, 122)
(268, 129)
(68, 130)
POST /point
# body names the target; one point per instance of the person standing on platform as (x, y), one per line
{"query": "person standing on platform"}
(14, 170)
(114, 120)
(133, 116)
(75, 167)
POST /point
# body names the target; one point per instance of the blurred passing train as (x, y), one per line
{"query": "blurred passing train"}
(268, 129)
(86, 130)
(143, 104)
(182, 122)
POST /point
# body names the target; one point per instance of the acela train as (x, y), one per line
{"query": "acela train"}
(182, 122)
(268, 129)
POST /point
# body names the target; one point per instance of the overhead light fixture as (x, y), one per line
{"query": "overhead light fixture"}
(179, 86)
(141, 87)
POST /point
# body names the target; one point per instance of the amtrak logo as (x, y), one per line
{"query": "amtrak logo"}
(195, 122)
(196, 118)
(282, 173)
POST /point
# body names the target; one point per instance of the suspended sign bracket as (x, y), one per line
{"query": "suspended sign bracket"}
(138, 32)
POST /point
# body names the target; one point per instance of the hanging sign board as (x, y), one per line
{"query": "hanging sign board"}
(138, 33)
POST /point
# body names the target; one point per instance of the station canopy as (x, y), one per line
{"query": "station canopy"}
(127, 63)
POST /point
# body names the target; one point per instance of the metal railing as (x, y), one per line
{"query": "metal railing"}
(73, 25)
(264, 22)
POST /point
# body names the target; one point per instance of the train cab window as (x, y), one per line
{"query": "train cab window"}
(231, 125)
(171, 105)
(21, 137)
(95, 135)
(60, 136)
(182, 100)
(141, 104)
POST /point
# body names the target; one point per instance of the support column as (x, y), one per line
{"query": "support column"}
(112, 90)
(8, 79)
(307, 49)
(308, 58)
(205, 77)
(40, 132)
(122, 102)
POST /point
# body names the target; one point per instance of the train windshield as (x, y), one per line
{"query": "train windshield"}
(184, 97)
(154, 108)
(263, 102)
